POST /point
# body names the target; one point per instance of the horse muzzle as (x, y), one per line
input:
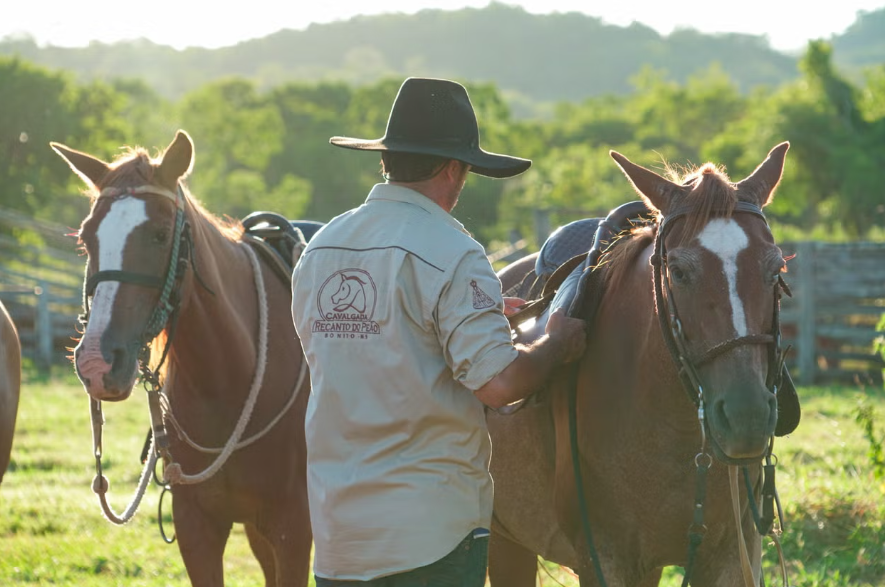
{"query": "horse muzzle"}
(106, 376)
(740, 429)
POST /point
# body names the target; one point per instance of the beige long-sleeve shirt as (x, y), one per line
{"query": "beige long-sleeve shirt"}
(400, 316)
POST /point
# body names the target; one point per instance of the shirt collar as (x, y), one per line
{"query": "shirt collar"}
(397, 193)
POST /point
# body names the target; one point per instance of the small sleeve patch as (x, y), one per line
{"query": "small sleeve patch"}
(481, 300)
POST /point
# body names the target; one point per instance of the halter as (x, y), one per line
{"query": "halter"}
(671, 325)
(179, 257)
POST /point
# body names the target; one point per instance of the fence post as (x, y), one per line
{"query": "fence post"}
(43, 327)
(806, 326)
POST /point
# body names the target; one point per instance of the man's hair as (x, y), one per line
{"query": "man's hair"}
(410, 167)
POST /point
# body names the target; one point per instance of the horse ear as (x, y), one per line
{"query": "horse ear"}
(654, 190)
(178, 160)
(90, 169)
(759, 186)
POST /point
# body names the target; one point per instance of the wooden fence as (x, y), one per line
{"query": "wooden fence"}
(40, 285)
(839, 296)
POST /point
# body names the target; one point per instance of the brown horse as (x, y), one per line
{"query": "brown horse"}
(10, 385)
(641, 448)
(163, 274)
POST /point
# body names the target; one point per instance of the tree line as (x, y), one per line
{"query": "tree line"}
(267, 149)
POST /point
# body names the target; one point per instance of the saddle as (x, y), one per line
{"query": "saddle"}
(563, 263)
(564, 266)
(278, 240)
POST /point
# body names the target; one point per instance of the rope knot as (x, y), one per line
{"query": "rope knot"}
(172, 473)
(100, 484)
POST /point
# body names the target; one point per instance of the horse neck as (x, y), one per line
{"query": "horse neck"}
(217, 331)
(633, 358)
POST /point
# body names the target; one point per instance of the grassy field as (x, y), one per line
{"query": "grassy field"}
(52, 531)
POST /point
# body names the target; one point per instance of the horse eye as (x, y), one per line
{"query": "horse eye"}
(159, 237)
(677, 273)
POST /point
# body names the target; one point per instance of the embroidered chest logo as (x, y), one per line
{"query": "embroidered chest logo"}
(481, 299)
(346, 303)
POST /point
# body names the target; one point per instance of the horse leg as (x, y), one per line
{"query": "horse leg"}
(263, 551)
(201, 541)
(511, 564)
(285, 542)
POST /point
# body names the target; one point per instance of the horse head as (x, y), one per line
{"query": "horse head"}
(133, 240)
(718, 272)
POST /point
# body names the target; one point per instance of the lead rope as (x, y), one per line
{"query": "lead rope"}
(172, 473)
(746, 569)
(243, 443)
(100, 483)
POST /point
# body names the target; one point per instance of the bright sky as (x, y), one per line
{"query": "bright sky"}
(789, 24)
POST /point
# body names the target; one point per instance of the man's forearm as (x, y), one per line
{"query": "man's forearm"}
(526, 374)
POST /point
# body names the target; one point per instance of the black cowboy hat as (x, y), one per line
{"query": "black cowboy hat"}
(435, 117)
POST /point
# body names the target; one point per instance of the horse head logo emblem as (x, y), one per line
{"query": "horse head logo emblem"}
(351, 294)
(347, 295)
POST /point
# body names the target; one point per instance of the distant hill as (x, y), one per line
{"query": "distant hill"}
(531, 58)
(863, 43)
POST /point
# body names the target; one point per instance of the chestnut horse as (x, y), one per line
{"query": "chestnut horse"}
(10, 385)
(166, 278)
(709, 261)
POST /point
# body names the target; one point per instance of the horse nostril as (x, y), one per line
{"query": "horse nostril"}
(721, 416)
(117, 358)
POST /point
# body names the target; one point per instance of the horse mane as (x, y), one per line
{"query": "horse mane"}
(712, 195)
(135, 165)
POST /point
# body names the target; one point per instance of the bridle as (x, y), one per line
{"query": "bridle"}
(671, 325)
(170, 298)
(687, 366)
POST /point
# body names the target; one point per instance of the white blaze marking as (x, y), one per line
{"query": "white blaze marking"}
(725, 239)
(122, 218)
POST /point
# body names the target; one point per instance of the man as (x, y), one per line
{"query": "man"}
(400, 315)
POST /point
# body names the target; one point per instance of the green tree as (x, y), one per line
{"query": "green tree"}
(40, 106)
(311, 113)
(237, 132)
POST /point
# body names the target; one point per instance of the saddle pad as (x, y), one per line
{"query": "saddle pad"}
(308, 228)
(564, 243)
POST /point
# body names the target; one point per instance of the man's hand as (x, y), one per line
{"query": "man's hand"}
(570, 335)
(512, 306)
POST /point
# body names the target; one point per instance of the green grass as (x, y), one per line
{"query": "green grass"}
(52, 531)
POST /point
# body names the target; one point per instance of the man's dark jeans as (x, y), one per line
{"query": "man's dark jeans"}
(463, 567)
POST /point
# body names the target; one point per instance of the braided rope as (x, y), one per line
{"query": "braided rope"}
(168, 416)
(173, 473)
(100, 486)
(164, 308)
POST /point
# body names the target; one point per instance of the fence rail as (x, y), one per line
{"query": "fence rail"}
(839, 296)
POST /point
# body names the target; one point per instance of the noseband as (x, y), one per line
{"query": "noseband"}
(671, 325)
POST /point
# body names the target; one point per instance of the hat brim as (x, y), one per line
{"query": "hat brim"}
(481, 162)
